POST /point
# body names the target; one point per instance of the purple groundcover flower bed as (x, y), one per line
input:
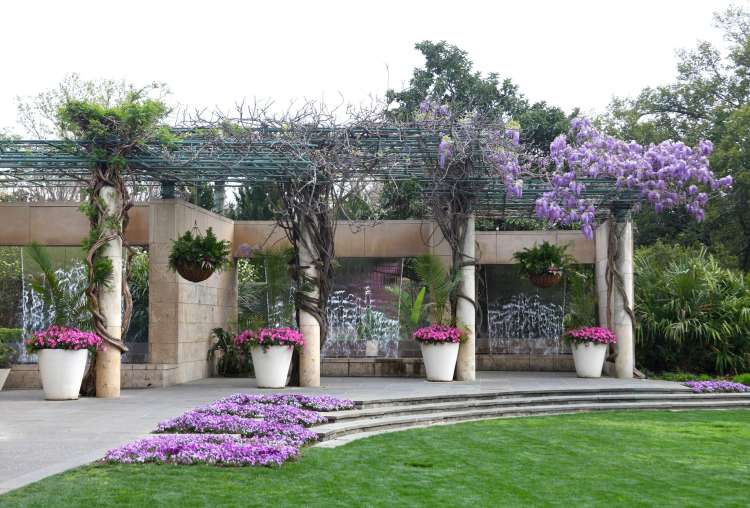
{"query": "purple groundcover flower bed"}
(206, 423)
(313, 402)
(239, 430)
(269, 412)
(715, 386)
(220, 449)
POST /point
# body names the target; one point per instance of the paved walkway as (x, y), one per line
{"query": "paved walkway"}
(40, 438)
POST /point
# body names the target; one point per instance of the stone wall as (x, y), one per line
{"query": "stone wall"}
(181, 313)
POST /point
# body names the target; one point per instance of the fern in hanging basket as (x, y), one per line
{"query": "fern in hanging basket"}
(543, 264)
(196, 257)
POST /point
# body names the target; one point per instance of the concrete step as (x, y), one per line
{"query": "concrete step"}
(341, 431)
(399, 409)
(517, 394)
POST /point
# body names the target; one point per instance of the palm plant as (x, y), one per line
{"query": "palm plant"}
(69, 307)
(693, 315)
(264, 289)
(432, 301)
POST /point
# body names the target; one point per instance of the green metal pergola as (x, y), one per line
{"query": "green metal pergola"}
(410, 154)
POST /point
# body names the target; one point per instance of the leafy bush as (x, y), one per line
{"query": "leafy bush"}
(205, 250)
(544, 258)
(743, 379)
(692, 314)
(231, 362)
(7, 352)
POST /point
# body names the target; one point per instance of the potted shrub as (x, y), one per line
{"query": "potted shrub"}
(589, 347)
(196, 257)
(439, 344)
(62, 356)
(271, 350)
(225, 358)
(543, 264)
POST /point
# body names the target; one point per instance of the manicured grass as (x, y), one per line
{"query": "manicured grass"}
(602, 459)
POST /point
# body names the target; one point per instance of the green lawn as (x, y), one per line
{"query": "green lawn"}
(603, 459)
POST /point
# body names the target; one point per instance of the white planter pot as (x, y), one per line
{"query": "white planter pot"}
(439, 360)
(4, 373)
(62, 372)
(589, 358)
(271, 364)
(372, 348)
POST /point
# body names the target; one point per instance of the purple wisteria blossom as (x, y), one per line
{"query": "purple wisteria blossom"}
(668, 175)
(205, 423)
(219, 449)
(313, 402)
(716, 386)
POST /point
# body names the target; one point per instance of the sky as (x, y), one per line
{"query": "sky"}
(570, 53)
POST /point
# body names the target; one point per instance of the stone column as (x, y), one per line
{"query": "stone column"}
(110, 304)
(621, 321)
(309, 363)
(465, 311)
(219, 196)
(601, 240)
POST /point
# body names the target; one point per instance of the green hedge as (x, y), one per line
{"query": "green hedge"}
(11, 334)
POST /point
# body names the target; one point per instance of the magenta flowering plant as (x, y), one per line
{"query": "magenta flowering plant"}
(61, 337)
(439, 334)
(269, 337)
(594, 334)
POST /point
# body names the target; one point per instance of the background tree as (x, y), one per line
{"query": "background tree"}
(707, 100)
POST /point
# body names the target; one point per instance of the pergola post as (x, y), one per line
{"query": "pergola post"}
(614, 243)
(219, 196)
(110, 305)
(465, 310)
(309, 363)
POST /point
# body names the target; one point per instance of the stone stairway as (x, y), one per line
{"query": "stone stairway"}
(385, 415)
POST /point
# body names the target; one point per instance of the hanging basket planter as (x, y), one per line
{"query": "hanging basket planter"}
(196, 257)
(545, 280)
(194, 272)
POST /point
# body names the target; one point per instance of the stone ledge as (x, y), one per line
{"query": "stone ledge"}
(25, 376)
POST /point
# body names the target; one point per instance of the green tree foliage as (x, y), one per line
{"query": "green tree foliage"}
(138, 282)
(707, 100)
(449, 77)
(254, 202)
(692, 314)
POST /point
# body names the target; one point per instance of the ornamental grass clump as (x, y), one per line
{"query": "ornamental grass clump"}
(269, 337)
(218, 449)
(716, 387)
(195, 422)
(590, 334)
(61, 337)
(438, 334)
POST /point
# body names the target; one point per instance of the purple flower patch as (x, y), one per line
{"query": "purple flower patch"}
(716, 387)
(312, 402)
(206, 423)
(219, 449)
(239, 430)
(268, 412)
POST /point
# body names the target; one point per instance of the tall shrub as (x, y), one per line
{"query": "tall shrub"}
(692, 314)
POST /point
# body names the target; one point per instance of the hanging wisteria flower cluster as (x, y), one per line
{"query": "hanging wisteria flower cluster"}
(239, 430)
(666, 175)
(472, 136)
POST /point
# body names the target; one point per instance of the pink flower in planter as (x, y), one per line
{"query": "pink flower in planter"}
(270, 337)
(61, 337)
(595, 334)
(438, 334)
